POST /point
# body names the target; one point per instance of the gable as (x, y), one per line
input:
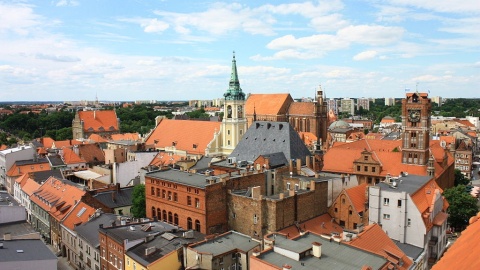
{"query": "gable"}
(94, 121)
(268, 104)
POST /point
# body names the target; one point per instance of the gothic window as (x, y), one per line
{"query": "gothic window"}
(170, 217)
(175, 219)
(159, 214)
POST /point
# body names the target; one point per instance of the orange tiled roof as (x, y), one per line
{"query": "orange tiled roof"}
(307, 137)
(80, 214)
(97, 138)
(465, 123)
(323, 224)
(448, 139)
(57, 197)
(301, 108)
(30, 186)
(463, 254)
(357, 197)
(99, 121)
(21, 180)
(47, 142)
(387, 119)
(185, 134)
(126, 137)
(164, 158)
(383, 152)
(17, 170)
(65, 143)
(424, 198)
(91, 153)
(212, 109)
(267, 104)
(70, 157)
(3, 147)
(472, 133)
(374, 239)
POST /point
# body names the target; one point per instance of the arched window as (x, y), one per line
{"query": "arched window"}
(229, 111)
(159, 214)
(170, 217)
(189, 223)
(158, 192)
(197, 225)
(164, 215)
(175, 197)
(164, 193)
(175, 219)
(169, 195)
(152, 191)
(153, 211)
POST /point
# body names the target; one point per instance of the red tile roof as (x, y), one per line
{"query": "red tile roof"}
(126, 137)
(357, 197)
(323, 224)
(99, 121)
(80, 214)
(463, 254)
(65, 143)
(267, 104)
(3, 147)
(17, 170)
(187, 135)
(91, 153)
(375, 240)
(30, 186)
(57, 197)
(424, 199)
(383, 152)
(308, 138)
(465, 123)
(164, 158)
(70, 157)
(47, 142)
(97, 138)
(301, 108)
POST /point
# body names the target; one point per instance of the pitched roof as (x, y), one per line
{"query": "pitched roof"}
(375, 240)
(301, 108)
(99, 121)
(65, 143)
(115, 199)
(424, 198)
(80, 214)
(126, 137)
(267, 104)
(265, 137)
(70, 157)
(89, 230)
(164, 158)
(21, 167)
(30, 186)
(21, 180)
(187, 135)
(91, 153)
(463, 254)
(323, 224)
(307, 137)
(97, 138)
(47, 142)
(383, 152)
(57, 197)
(464, 122)
(357, 197)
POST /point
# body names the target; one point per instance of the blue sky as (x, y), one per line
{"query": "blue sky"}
(66, 50)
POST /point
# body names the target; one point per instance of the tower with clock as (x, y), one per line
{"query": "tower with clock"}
(416, 111)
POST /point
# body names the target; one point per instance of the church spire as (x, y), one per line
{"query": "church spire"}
(234, 91)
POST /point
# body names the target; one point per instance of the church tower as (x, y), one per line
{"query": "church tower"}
(234, 123)
(416, 111)
(320, 113)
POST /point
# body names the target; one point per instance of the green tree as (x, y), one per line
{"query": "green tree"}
(460, 179)
(138, 202)
(462, 206)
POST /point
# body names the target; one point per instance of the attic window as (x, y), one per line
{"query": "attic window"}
(174, 143)
(365, 158)
(194, 146)
(280, 127)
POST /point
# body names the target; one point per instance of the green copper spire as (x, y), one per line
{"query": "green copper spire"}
(234, 91)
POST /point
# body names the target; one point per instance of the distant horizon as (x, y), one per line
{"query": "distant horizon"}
(183, 50)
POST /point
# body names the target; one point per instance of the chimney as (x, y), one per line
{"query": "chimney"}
(7, 236)
(291, 166)
(299, 165)
(118, 187)
(256, 192)
(286, 267)
(317, 249)
(150, 250)
(307, 159)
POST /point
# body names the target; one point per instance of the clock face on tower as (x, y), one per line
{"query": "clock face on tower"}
(414, 115)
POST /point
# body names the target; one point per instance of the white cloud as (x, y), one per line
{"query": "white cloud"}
(366, 55)
(371, 34)
(19, 19)
(64, 3)
(154, 25)
(447, 6)
(331, 22)
(305, 9)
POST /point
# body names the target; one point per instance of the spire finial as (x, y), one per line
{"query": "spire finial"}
(233, 54)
